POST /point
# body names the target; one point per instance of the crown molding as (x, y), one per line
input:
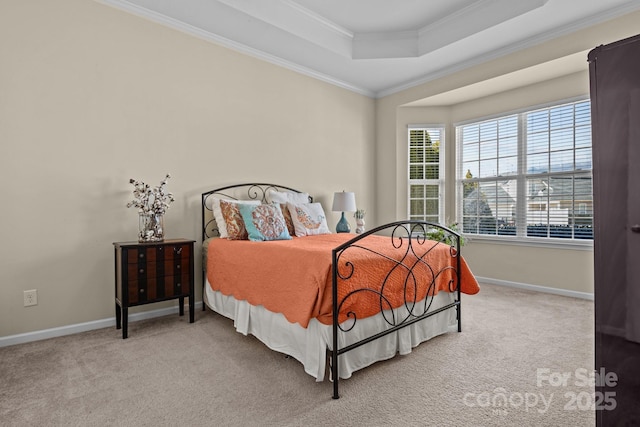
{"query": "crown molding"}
(230, 44)
(512, 48)
(293, 18)
(381, 46)
(321, 19)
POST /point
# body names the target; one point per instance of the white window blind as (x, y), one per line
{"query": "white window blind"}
(528, 174)
(426, 173)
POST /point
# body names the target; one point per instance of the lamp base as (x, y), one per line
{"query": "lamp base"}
(343, 225)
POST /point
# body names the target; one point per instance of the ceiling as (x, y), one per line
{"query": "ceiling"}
(378, 47)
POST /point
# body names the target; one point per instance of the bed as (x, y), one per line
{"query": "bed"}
(339, 300)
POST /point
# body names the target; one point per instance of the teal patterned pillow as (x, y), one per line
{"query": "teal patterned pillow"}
(264, 222)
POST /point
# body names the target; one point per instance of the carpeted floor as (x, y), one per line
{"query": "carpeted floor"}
(504, 369)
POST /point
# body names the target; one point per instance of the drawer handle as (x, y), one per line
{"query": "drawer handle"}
(141, 255)
(141, 270)
(178, 266)
(178, 284)
(142, 291)
(177, 250)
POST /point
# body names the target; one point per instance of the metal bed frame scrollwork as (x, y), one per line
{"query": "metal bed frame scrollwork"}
(405, 237)
(252, 191)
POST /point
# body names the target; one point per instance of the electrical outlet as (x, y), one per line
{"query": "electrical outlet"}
(30, 298)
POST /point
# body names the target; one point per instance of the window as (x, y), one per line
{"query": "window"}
(426, 174)
(528, 174)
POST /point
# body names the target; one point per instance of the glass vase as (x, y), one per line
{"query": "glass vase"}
(151, 227)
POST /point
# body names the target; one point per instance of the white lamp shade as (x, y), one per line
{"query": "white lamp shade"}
(344, 201)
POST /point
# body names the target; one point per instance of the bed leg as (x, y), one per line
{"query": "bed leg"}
(334, 374)
(459, 317)
(204, 306)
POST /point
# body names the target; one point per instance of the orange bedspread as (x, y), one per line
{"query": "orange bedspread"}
(294, 277)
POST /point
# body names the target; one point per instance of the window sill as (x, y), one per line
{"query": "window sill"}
(571, 244)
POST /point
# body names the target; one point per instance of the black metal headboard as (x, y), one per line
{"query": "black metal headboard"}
(249, 191)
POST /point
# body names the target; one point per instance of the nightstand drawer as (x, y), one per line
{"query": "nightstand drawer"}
(157, 253)
(157, 289)
(151, 269)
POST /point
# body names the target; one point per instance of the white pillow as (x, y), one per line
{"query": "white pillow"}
(279, 197)
(217, 213)
(296, 198)
(308, 219)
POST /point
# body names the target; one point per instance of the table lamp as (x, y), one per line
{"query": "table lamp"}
(343, 201)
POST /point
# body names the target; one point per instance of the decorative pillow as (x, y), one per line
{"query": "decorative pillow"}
(217, 213)
(274, 196)
(287, 219)
(308, 219)
(297, 198)
(233, 219)
(264, 222)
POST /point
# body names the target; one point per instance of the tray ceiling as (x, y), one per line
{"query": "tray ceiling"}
(378, 47)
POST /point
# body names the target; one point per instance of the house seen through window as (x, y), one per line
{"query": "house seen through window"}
(528, 174)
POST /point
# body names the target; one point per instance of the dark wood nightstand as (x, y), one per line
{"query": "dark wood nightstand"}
(152, 272)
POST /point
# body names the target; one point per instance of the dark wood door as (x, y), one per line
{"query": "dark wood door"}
(615, 85)
(632, 318)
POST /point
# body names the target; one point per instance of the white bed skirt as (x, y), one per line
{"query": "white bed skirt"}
(309, 345)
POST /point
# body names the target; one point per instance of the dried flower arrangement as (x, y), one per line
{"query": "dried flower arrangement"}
(151, 200)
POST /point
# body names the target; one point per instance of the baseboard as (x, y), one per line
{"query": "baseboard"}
(536, 288)
(88, 326)
(111, 322)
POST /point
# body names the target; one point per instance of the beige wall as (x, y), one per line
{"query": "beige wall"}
(91, 96)
(567, 269)
(564, 269)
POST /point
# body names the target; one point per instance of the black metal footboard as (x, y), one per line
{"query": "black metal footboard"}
(411, 245)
